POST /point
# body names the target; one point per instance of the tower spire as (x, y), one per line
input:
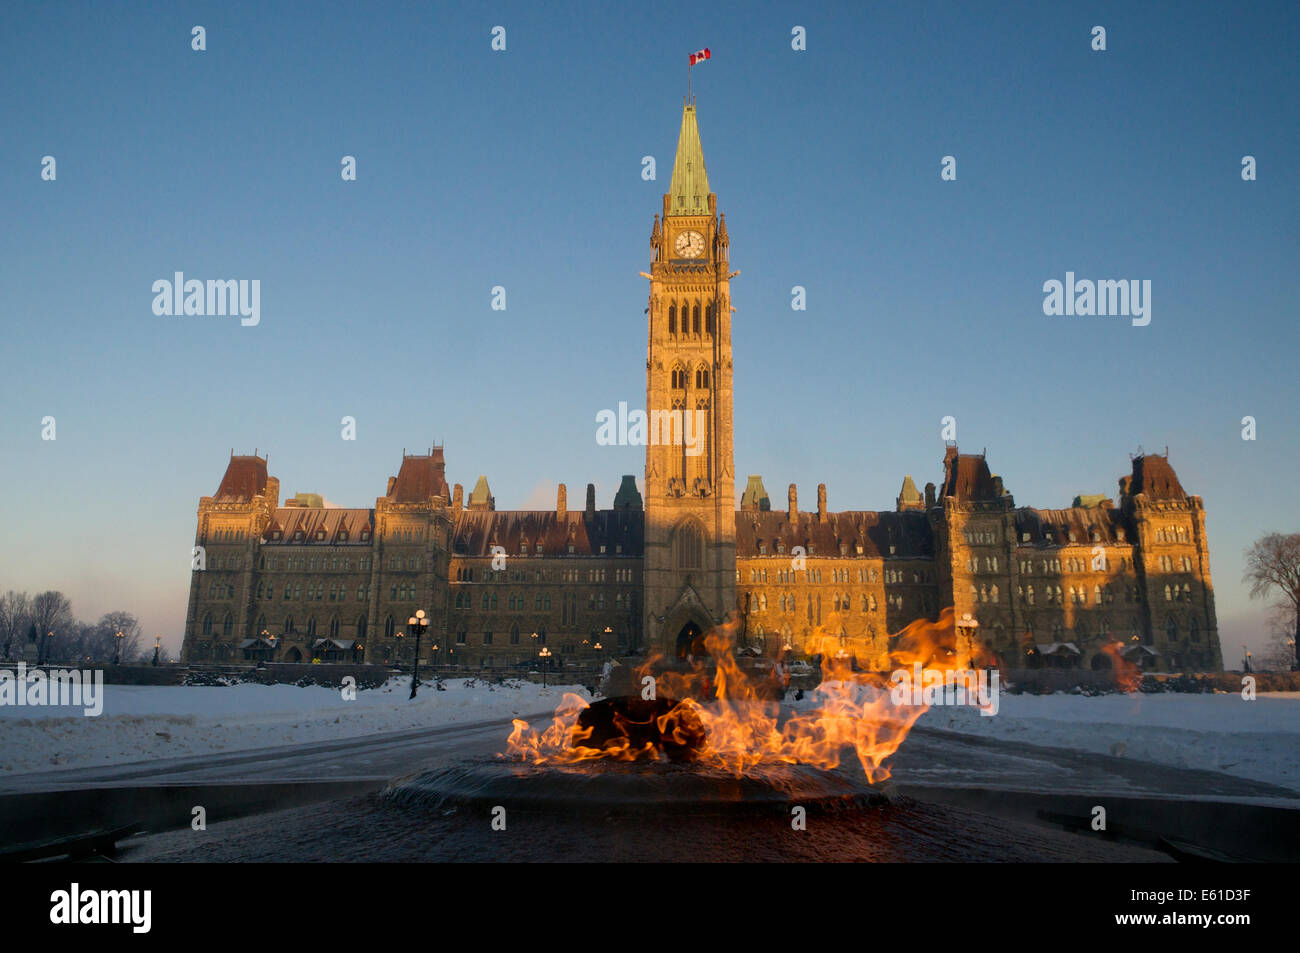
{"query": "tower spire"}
(689, 190)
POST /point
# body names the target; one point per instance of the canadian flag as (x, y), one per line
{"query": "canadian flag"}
(699, 57)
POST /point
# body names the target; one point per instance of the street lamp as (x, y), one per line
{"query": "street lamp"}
(966, 628)
(416, 625)
(268, 637)
(157, 647)
(544, 655)
(117, 646)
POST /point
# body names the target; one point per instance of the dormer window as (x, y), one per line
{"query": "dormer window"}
(572, 549)
(275, 534)
(538, 549)
(1072, 536)
(320, 534)
(365, 535)
(858, 547)
(762, 549)
(1024, 537)
(343, 536)
(780, 547)
(298, 536)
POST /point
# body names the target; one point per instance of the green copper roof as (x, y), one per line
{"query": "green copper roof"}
(689, 191)
(481, 496)
(909, 492)
(628, 496)
(755, 497)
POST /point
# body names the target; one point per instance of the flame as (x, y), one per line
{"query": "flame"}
(1128, 677)
(733, 721)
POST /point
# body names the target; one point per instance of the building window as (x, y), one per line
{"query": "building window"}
(389, 627)
(672, 322)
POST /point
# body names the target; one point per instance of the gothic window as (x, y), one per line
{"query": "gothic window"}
(514, 635)
(227, 625)
(311, 625)
(708, 319)
(334, 627)
(702, 378)
(261, 624)
(289, 625)
(1194, 630)
(672, 319)
(389, 627)
(1171, 629)
(361, 627)
(207, 624)
(689, 545)
(695, 319)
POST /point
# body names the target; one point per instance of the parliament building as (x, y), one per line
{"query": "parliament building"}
(1105, 577)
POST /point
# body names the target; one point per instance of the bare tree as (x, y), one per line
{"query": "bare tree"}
(52, 612)
(1279, 655)
(114, 622)
(15, 608)
(1273, 564)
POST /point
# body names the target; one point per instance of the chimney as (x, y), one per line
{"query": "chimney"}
(821, 502)
(457, 497)
(591, 498)
(392, 481)
(929, 495)
(793, 509)
(561, 501)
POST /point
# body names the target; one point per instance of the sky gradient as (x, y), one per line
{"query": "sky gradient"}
(523, 169)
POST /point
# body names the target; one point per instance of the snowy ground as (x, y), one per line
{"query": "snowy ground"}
(1257, 739)
(141, 722)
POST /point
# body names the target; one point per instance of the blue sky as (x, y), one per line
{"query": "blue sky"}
(522, 169)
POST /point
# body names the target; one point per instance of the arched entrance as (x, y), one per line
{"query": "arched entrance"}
(294, 655)
(690, 641)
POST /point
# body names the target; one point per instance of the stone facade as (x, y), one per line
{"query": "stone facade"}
(1047, 587)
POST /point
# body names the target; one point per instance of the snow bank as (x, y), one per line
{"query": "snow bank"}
(142, 722)
(1257, 739)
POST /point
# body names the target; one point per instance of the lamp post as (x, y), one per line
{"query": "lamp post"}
(416, 625)
(117, 646)
(967, 625)
(1245, 659)
(270, 639)
(544, 655)
(157, 647)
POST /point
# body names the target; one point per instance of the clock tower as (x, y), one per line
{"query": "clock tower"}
(690, 504)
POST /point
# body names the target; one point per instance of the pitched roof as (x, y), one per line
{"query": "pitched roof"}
(755, 496)
(1153, 476)
(481, 496)
(967, 477)
(289, 521)
(1083, 521)
(688, 193)
(420, 478)
(477, 531)
(876, 532)
(909, 498)
(628, 496)
(244, 479)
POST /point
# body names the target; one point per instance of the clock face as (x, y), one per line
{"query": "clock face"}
(689, 244)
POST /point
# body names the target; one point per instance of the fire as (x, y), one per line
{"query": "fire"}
(716, 714)
(1128, 677)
